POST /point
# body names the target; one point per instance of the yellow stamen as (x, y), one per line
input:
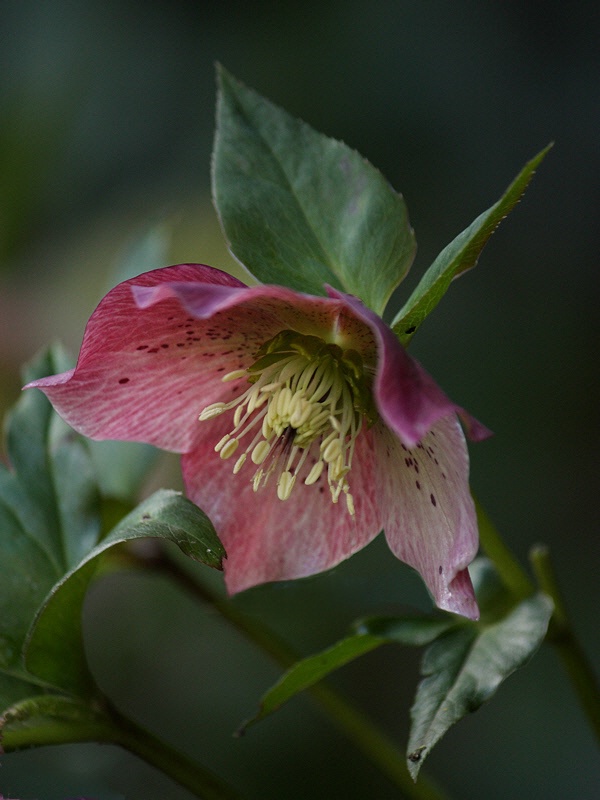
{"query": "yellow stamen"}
(302, 397)
(229, 449)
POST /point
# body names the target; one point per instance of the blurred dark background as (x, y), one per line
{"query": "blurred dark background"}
(107, 113)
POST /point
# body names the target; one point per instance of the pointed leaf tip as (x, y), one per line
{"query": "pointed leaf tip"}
(460, 255)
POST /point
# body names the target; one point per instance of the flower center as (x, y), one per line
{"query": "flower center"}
(302, 392)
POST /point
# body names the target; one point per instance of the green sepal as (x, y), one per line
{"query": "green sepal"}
(460, 255)
(302, 210)
(464, 667)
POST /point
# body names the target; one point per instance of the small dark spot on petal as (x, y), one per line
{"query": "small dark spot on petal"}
(440, 569)
(123, 380)
(164, 346)
(433, 500)
(153, 350)
(417, 484)
(142, 347)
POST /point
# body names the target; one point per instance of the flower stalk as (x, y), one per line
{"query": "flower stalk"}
(514, 577)
(110, 726)
(562, 636)
(137, 740)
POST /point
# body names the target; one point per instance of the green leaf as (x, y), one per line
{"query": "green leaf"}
(460, 255)
(49, 545)
(49, 513)
(465, 667)
(54, 650)
(414, 631)
(311, 670)
(301, 209)
(370, 633)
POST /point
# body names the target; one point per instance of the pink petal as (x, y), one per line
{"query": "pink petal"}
(428, 513)
(268, 539)
(408, 399)
(142, 375)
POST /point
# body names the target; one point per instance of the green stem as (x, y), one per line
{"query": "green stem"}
(109, 726)
(53, 732)
(513, 575)
(349, 720)
(562, 636)
(203, 783)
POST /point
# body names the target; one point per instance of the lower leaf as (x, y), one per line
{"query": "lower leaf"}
(464, 668)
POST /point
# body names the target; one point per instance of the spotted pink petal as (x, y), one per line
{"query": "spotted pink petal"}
(141, 376)
(428, 513)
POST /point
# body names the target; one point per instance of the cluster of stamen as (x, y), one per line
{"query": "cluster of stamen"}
(299, 392)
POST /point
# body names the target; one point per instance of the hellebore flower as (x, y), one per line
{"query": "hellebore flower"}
(304, 425)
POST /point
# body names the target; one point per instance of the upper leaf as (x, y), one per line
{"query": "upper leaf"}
(460, 255)
(301, 209)
(465, 667)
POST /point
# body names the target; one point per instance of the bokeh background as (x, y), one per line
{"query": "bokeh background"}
(107, 113)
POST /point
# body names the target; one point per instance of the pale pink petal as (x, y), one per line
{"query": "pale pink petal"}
(428, 513)
(268, 539)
